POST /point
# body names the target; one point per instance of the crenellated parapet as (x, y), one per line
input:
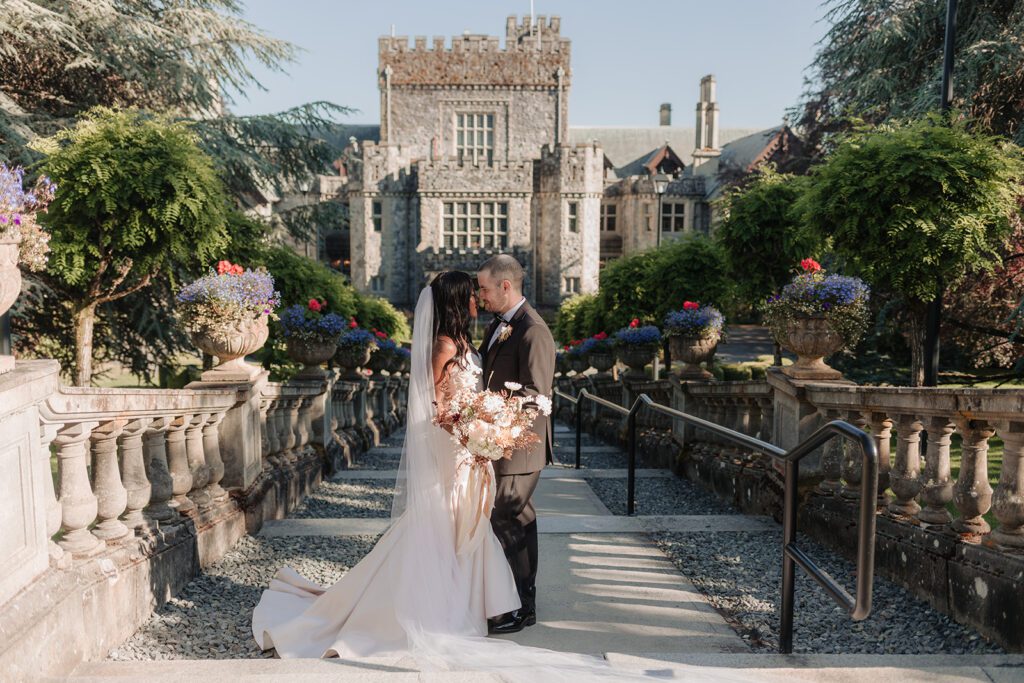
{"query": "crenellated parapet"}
(534, 55)
(577, 169)
(452, 177)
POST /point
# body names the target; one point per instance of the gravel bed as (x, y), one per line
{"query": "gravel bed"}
(740, 573)
(656, 496)
(211, 617)
(348, 498)
(375, 460)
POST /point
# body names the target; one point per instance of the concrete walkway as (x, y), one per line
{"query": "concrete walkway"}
(603, 589)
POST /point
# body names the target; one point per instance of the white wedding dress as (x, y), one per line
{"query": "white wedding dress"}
(416, 579)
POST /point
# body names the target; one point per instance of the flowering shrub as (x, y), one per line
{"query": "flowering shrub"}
(694, 320)
(841, 300)
(599, 343)
(637, 335)
(574, 349)
(310, 323)
(356, 338)
(18, 210)
(232, 296)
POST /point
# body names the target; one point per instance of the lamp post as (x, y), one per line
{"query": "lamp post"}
(305, 185)
(933, 320)
(660, 182)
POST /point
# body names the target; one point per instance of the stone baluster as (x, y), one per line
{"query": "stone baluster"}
(197, 460)
(904, 480)
(111, 495)
(306, 431)
(831, 457)
(275, 418)
(852, 464)
(266, 427)
(48, 432)
(753, 409)
(177, 460)
(292, 420)
(765, 433)
(154, 448)
(937, 485)
(1008, 501)
(881, 430)
(78, 503)
(336, 415)
(133, 472)
(214, 462)
(972, 493)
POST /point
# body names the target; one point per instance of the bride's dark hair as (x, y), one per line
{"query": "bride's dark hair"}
(452, 290)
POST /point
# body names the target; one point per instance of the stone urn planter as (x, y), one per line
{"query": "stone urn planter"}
(693, 351)
(379, 362)
(636, 357)
(601, 361)
(311, 353)
(811, 339)
(351, 358)
(562, 364)
(231, 344)
(10, 286)
(395, 363)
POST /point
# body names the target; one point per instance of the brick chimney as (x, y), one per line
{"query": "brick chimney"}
(665, 114)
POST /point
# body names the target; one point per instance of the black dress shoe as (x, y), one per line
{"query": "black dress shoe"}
(513, 622)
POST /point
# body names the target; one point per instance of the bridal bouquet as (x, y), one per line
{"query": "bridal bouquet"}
(492, 424)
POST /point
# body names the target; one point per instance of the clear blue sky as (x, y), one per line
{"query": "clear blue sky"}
(627, 57)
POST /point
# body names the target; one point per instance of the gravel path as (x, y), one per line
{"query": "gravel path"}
(740, 573)
(375, 460)
(211, 618)
(348, 498)
(674, 496)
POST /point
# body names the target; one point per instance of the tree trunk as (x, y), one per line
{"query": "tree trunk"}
(85, 320)
(915, 338)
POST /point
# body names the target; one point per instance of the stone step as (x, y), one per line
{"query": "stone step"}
(547, 524)
(736, 666)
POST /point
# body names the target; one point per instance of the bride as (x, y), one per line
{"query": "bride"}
(438, 569)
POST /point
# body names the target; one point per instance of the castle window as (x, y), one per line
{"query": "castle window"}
(608, 215)
(475, 225)
(672, 216)
(377, 283)
(571, 285)
(474, 137)
(574, 216)
(377, 216)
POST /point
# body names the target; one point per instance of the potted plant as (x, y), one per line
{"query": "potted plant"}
(693, 335)
(226, 313)
(354, 350)
(311, 335)
(383, 357)
(815, 316)
(22, 241)
(637, 345)
(599, 352)
(575, 357)
(405, 356)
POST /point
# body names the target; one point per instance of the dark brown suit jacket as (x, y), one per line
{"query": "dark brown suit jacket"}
(528, 358)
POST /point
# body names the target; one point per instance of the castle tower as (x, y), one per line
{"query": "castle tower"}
(706, 150)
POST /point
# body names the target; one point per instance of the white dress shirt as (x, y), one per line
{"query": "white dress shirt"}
(505, 318)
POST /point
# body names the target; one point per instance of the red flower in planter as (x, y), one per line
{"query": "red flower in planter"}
(314, 305)
(224, 267)
(601, 336)
(380, 335)
(635, 322)
(810, 265)
(352, 324)
(690, 305)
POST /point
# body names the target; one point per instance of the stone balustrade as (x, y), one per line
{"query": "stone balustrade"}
(948, 535)
(115, 498)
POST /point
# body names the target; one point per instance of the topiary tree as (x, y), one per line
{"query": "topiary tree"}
(762, 237)
(136, 199)
(914, 208)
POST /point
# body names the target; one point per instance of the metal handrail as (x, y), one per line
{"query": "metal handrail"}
(858, 607)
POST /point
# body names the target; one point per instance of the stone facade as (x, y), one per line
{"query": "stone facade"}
(472, 161)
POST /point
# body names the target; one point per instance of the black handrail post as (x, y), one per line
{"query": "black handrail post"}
(631, 472)
(579, 425)
(789, 512)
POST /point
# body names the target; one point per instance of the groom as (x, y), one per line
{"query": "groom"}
(517, 347)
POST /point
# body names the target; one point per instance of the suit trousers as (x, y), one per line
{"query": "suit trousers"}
(514, 521)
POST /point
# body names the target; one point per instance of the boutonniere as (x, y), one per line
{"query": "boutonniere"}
(505, 334)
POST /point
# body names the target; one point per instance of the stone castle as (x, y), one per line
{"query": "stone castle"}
(474, 156)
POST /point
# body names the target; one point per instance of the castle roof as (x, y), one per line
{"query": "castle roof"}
(625, 147)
